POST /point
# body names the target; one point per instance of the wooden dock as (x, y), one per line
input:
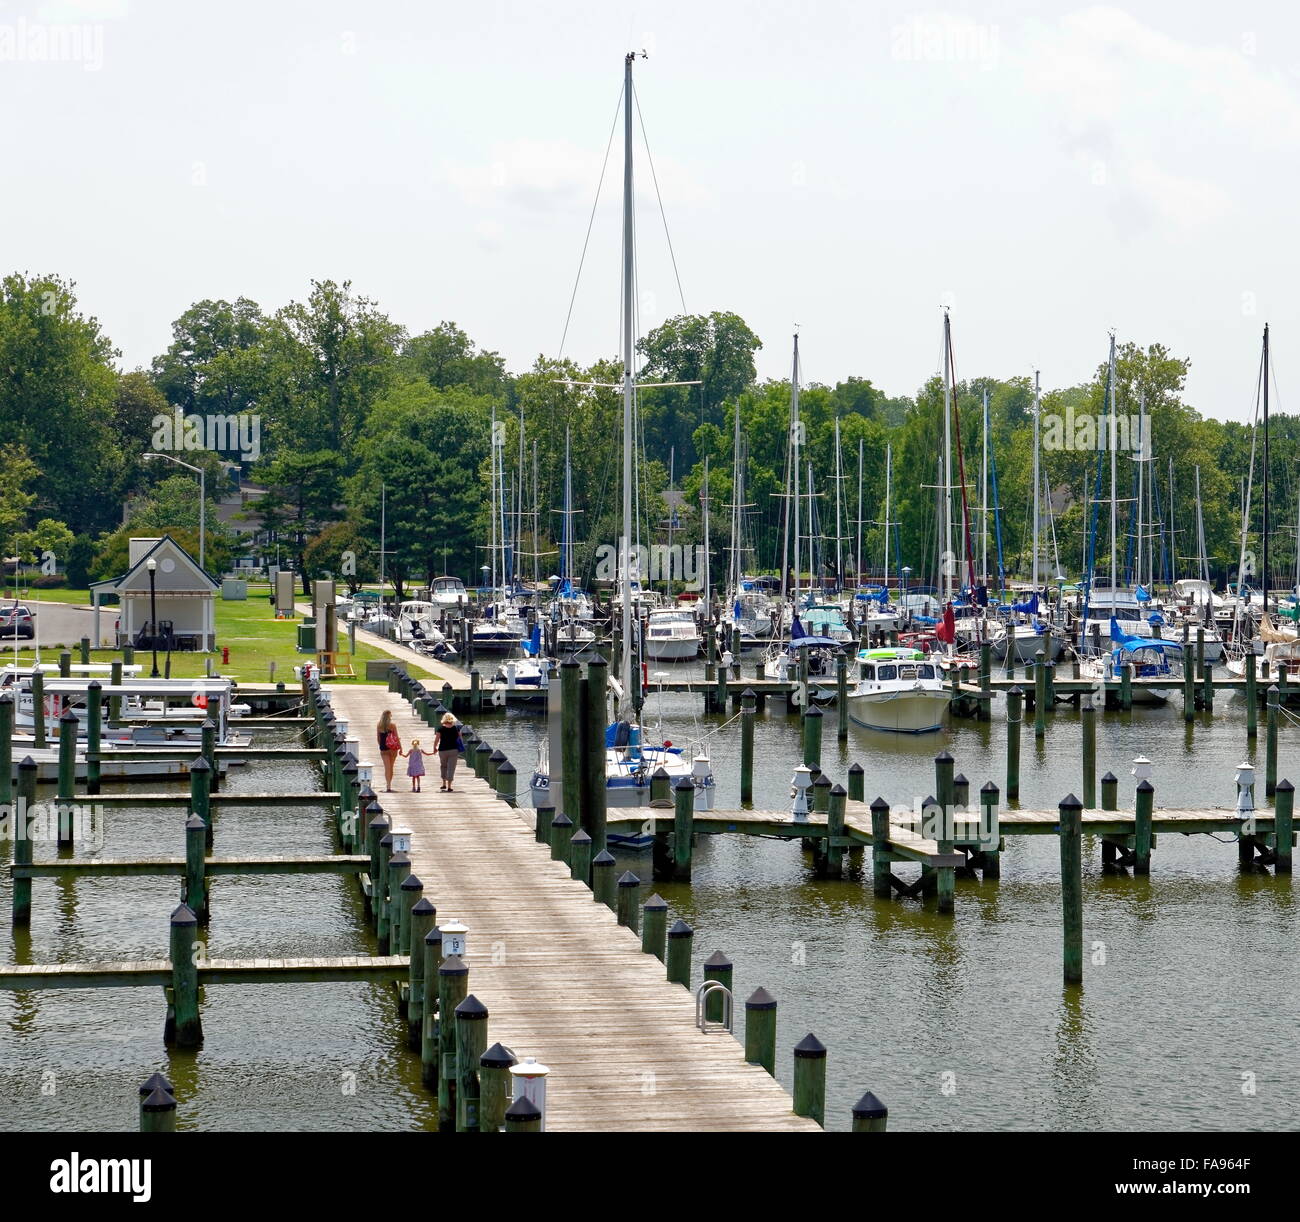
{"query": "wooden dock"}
(563, 981)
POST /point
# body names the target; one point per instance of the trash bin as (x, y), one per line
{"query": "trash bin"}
(307, 636)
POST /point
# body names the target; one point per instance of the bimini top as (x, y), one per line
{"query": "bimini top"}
(890, 655)
(1134, 643)
(815, 642)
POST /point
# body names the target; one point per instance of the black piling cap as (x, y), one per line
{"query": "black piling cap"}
(579, 837)
(960, 779)
(561, 820)
(854, 769)
(1145, 786)
(880, 804)
(374, 809)
(507, 768)
(498, 755)
(760, 999)
(159, 1101)
(194, 824)
(472, 1009)
(27, 762)
(350, 768)
(422, 906)
(809, 1048)
(184, 915)
(523, 1109)
(989, 787)
(411, 883)
(1070, 802)
(681, 929)
(1110, 779)
(718, 959)
(943, 758)
(869, 1108)
(1286, 785)
(628, 879)
(684, 783)
(453, 965)
(547, 806)
(603, 858)
(822, 779)
(434, 936)
(1017, 690)
(838, 791)
(386, 840)
(497, 1057)
(155, 1081)
(813, 712)
(200, 765)
(399, 858)
(68, 715)
(656, 903)
(930, 802)
(661, 771)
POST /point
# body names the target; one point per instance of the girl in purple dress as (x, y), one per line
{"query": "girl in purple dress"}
(415, 763)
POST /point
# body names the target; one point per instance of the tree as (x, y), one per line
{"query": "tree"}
(301, 498)
(17, 471)
(47, 536)
(446, 357)
(57, 387)
(341, 550)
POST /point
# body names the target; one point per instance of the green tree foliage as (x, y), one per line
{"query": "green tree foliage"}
(301, 498)
(446, 357)
(17, 474)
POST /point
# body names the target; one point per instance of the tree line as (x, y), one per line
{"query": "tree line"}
(365, 432)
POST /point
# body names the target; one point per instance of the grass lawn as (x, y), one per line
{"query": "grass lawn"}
(255, 639)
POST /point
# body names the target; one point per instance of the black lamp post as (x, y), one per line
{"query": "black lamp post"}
(152, 566)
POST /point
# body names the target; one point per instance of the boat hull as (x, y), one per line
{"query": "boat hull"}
(914, 712)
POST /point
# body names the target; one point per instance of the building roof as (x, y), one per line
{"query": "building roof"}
(162, 550)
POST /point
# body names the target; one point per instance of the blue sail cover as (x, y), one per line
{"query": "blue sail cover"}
(814, 642)
(532, 646)
(796, 629)
(1027, 608)
(1143, 596)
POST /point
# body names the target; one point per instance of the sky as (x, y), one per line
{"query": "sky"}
(1047, 171)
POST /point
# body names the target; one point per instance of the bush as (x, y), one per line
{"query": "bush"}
(49, 581)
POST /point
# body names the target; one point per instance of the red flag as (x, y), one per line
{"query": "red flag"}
(947, 631)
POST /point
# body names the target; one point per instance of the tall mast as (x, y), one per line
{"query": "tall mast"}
(984, 497)
(496, 446)
(794, 441)
(737, 497)
(566, 567)
(889, 482)
(704, 510)
(948, 557)
(839, 555)
(1111, 381)
(629, 238)
(1037, 482)
(1141, 463)
(1266, 468)
(857, 562)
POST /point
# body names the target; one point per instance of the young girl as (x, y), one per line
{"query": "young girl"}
(415, 763)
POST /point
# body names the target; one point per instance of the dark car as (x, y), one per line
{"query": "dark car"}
(17, 620)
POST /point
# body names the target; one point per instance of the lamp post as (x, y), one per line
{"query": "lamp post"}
(203, 496)
(152, 565)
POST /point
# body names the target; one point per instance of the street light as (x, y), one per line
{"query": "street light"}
(203, 495)
(152, 565)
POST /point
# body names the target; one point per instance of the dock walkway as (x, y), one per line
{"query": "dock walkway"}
(562, 980)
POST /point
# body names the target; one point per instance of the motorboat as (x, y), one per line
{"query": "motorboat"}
(899, 690)
(671, 636)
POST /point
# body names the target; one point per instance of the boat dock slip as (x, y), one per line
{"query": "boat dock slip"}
(563, 980)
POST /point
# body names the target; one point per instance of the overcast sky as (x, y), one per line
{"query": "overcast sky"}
(1050, 171)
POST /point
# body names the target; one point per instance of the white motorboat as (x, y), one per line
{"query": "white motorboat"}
(671, 636)
(899, 690)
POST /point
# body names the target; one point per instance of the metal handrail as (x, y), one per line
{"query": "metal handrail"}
(701, 995)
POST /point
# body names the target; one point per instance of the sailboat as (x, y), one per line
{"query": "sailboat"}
(747, 606)
(632, 756)
(501, 627)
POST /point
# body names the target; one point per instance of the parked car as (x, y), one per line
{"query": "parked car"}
(17, 620)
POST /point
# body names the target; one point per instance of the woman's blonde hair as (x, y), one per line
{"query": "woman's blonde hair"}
(448, 719)
(385, 721)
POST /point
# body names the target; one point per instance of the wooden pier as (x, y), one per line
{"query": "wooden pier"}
(563, 980)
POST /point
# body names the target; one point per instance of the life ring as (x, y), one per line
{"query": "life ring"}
(199, 700)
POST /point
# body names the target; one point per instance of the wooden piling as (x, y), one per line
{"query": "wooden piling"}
(580, 857)
(453, 988)
(680, 937)
(38, 707)
(1040, 694)
(1088, 721)
(471, 1043)
(1270, 752)
(812, 735)
(810, 1079)
(603, 883)
(507, 778)
(746, 745)
(1015, 706)
(22, 838)
(717, 967)
(429, 1025)
(542, 825)
(991, 839)
(1189, 690)
(523, 1116)
(494, 1087)
(683, 828)
(67, 787)
(1071, 836)
(841, 697)
(593, 807)
(870, 1115)
(629, 890)
(196, 891)
(835, 816)
(187, 1031)
(880, 858)
(1126, 686)
(379, 894)
(1252, 707)
(6, 748)
(424, 917)
(654, 927)
(760, 1030)
(1110, 792)
(571, 745)
(561, 833)
(857, 783)
(1283, 825)
(411, 892)
(399, 869)
(94, 735)
(115, 702)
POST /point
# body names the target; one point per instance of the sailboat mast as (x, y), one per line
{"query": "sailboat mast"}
(1037, 482)
(1141, 464)
(629, 238)
(984, 497)
(948, 558)
(1266, 468)
(857, 562)
(794, 441)
(889, 489)
(704, 510)
(495, 451)
(839, 555)
(1113, 472)
(566, 566)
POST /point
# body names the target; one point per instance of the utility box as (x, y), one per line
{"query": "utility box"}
(284, 592)
(234, 590)
(307, 636)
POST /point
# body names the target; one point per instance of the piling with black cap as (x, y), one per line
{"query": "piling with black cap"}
(1015, 705)
(380, 897)
(680, 938)
(22, 838)
(1283, 825)
(841, 697)
(523, 1116)
(158, 1118)
(411, 889)
(594, 795)
(94, 734)
(990, 835)
(494, 1087)
(1040, 694)
(1252, 708)
(760, 1030)
(1088, 720)
(37, 686)
(482, 753)
(580, 857)
(870, 1115)
(208, 738)
(604, 881)
(200, 796)
(453, 988)
(423, 917)
(67, 776)
(429, 1025)
(1071, 836)
(506, 782)
(196, 889)
(810, 1079)
(833, 853)
(629, 891)
(188, 1030)
(399, 870)
(683, 828)
(6, 748)
(571, 746)
(1270, 753)
(812, 735)
(880, 855)
(857, 783)
(746, 745)
(654, 927)
(561, 833)
(471, 1043)
(1143, 809)
(542, 824)
(376, 829)
(717, 967)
